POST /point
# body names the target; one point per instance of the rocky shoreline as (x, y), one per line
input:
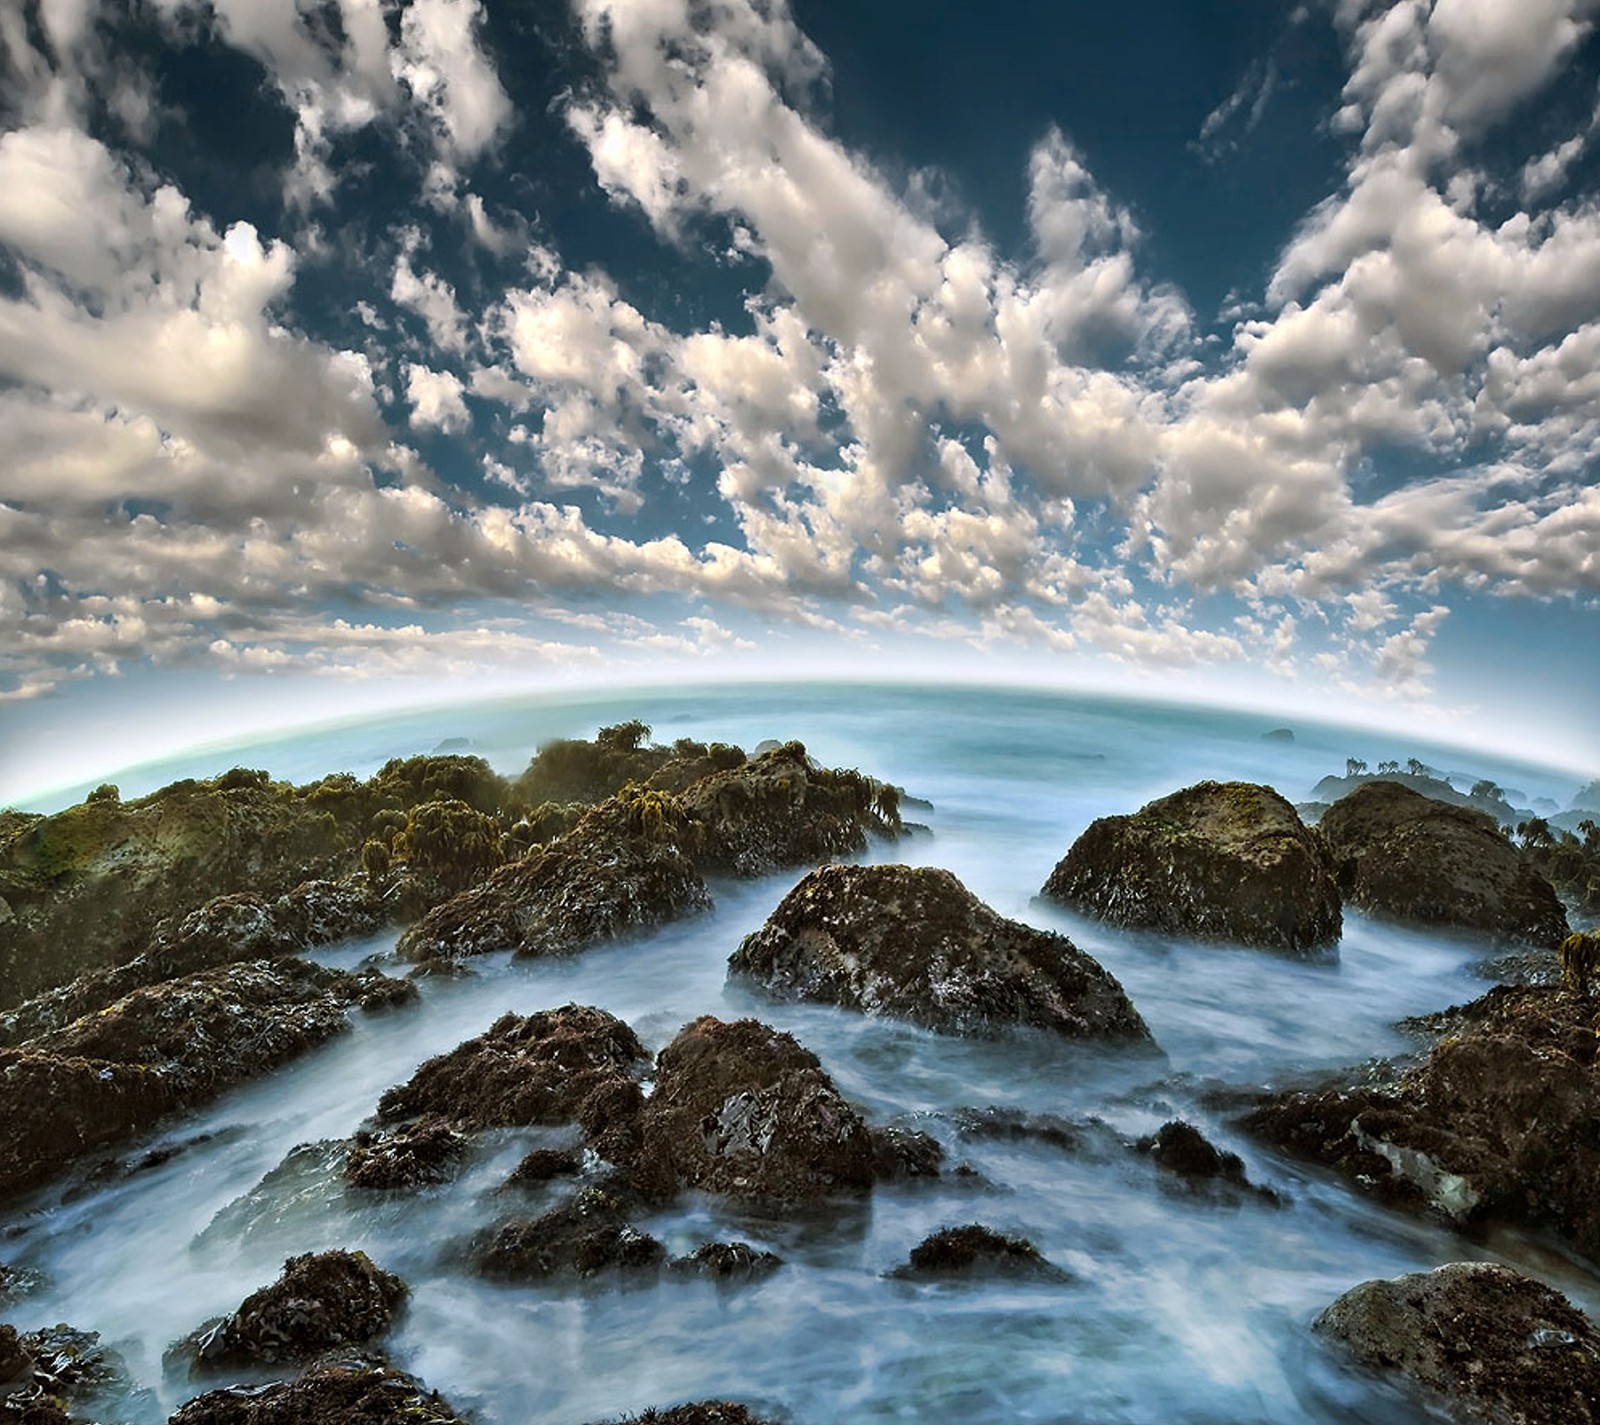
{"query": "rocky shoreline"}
(152, 960)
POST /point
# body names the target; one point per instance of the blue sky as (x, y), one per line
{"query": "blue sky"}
(353, 352)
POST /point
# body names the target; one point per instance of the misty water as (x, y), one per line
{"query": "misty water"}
(1181, 1306)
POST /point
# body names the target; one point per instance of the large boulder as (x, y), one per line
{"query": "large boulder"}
(569, 1065)
(1221, 860)
(624, 867)
(321, 1302)
(176, 1045)
(914, 943)
(1487, 1344)
(1499, 1121)
(743, 1110)
(1407, 857)
(357, 1392)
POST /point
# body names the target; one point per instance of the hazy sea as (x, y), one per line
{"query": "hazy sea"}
(1181, 1307)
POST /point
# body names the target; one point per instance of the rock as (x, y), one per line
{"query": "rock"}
(320, 1302)
(1279, 734)
(568, 1065)
(418, 1155)
(174, 1045)
(914, 943)
(1499, 1121)
(358, 1392)
(900, 1153)
(1012, 1125)
(742, 1110)
(72, 1364)
(1403, 856)
(727, 1261)
(782, 810)
(1182, 1150)
(542, 1165)
(17, 1282)
(1221, 860)
(975, 1250)
(16, 1362)
(1484, 1342)
(620, 869)
(582, 1237)
(704, 1412)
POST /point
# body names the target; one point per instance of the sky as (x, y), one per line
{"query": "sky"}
(362, 351)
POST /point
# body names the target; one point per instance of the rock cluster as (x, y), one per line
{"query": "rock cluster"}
(1220, 860)
(914, 943)
(1403, 856)
(356, 1392)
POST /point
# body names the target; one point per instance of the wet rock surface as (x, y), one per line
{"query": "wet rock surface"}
(584, 1237)
(975, 1250)
(359, 1392)
(45, 1373)
(1489, 1345)
(102, 1078)
(743, 1110)
(417, 1155)
(899, 1153)
(1219, 860)
(1498, 1121)
(1407, 857)
(544, 1164)
(321, 1301)
(914, 943)
(569, 1065)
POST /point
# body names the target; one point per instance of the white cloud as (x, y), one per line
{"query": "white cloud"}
(436, 399)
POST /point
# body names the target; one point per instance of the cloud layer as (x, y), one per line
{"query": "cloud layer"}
(375, 437)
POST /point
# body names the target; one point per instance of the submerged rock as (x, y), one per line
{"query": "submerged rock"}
(1499, 1121)
(976, 1250)
(175, 1045)
(1487, 1343)
(914, 943)
(741, 1109)
(1404, 856)
(544, 1164)
(900, 1153)
(703, 1412)
(321, 1302)
(582, 1237)
(1220, 860)
(727, 1261)
(1182, 1150)
(358, 1392)
(569, 1065)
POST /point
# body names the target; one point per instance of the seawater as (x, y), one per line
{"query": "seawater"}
(1181, 1306)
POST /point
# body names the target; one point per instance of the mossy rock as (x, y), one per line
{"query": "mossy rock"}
(1227, 861)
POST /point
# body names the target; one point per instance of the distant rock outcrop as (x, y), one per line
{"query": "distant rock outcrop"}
(1220, 860)
(914, 943)
(1489, 1345)
(1404, 856)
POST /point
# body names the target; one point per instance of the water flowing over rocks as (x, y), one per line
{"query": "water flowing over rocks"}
(914, 943)
(1499, 1121)
(727, 1262)
(320, 1302)
(104, 1077)
(1219, 860)
(743, 1110)
(976, 1250)
(1182, 1150)
(1407, 857)
(357, 1392)
(1489, 1345)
